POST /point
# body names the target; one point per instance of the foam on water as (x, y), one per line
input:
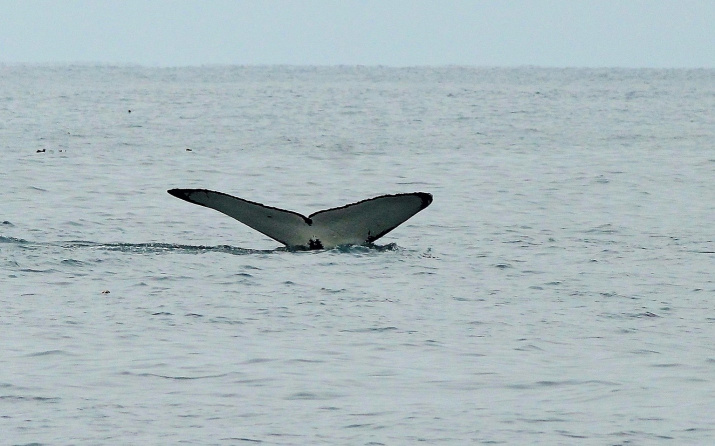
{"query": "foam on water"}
(559, 289)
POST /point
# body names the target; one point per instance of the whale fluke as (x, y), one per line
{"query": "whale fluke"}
(353, 224)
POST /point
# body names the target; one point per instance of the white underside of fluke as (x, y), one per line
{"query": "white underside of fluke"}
(352, 224)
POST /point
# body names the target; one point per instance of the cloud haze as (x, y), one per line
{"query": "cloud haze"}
(668, 33)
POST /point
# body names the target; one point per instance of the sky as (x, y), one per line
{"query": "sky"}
(551, 33)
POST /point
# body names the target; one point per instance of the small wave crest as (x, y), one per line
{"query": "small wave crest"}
(13, 240)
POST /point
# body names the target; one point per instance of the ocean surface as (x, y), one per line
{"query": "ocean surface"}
(560, 289)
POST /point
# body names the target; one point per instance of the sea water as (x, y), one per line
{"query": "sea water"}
(559, 290)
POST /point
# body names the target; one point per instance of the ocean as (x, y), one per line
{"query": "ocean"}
(559, 290)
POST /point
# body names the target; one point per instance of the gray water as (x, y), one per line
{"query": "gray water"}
(559, 289)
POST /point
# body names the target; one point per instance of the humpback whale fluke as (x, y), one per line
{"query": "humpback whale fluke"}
(353, 224)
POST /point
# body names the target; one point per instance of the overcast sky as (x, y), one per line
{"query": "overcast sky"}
(591, 33)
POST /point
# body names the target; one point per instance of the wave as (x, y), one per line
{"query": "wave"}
(160, 248)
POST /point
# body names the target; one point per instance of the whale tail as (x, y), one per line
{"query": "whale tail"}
(353, 224)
